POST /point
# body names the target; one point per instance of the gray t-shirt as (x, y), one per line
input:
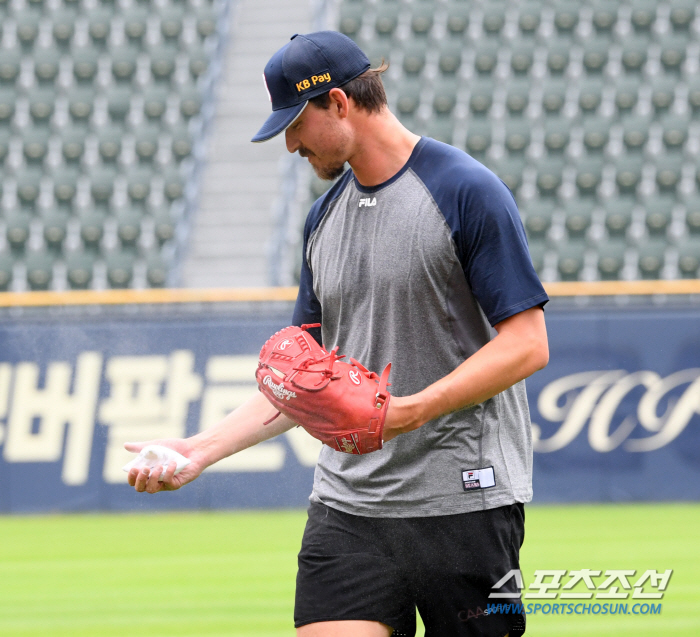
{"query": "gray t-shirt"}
(416, 271)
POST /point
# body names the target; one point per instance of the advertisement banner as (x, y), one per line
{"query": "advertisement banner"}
(615, 414)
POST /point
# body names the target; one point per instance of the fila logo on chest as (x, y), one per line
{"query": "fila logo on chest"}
(368, 202)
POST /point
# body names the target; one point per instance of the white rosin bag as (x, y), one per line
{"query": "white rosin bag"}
(153, 455)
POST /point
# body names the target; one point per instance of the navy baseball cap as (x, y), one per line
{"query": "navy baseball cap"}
(307, 66)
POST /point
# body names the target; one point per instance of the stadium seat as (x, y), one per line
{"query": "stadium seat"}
(457, 17)
(481, 97)
(80, 104)
(17, 230)
(486, 57)
(556, 134)
(692, 214)
(510, 172)
(128, 227)
(120, 269)
(494, 18)
(611, 259)
(549, 176)
(173, 184)
(478, 138)
(39, 270)
(558, 57)
(4, 145)
(517, 137)
(190, 101)
(579, 215)
(181, 143)
(199, 62)
(55, 230)
(618, 216)
(445, 98)
(595, 55)
(422, 19)
(102, 185)
(65, 187)
(635, 132)
(689, 258)
(604, 16)
(27, 28)
(79, 269)
(517, 97)
(138, 185)
(673, 52)
(682, 14)
(146, 145)
(414, 58)
(8, 100)
(163, 63)
(589, 173)
(643, 14)
(570, 260)
(537, 254)
(6, 266)
(675, 131)
(99, 25)
(72, 145)
(118, 103)
(387, 19)
(41, 104)
(171, 23)
(123, 63)
(626, 95)
(659, 213)
(46, 64)
(165, 225)
(596, 134)
(441, 129)
(529, 17)
(409, 97)
(206, 22)
(85, 64)
(109, 143)
(590, 95)
(553, 96)
(135, 23)
(652, 258)
(628, 173)
(92, 229)
(63, 27)
(538, 218)
(663, 92)
(28, 187)
(634, 54)
(9, 65)
(35, 142)
(669, 170)
(351, 18)
(566, 17)
(522, 57)
(450, 58)
(155, 103)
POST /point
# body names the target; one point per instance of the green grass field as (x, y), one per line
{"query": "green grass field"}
(232, 574)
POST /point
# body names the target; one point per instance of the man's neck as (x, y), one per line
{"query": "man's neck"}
(382, 149)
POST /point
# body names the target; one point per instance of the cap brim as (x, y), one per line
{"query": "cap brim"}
(278, 122)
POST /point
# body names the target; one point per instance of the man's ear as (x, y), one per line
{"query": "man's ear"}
(339, 102)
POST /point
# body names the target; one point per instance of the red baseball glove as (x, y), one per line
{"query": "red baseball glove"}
(341, 404)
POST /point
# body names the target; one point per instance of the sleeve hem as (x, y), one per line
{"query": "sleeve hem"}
(533, 301)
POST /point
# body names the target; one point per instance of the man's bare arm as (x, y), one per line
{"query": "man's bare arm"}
(240, 429)
(519, 350)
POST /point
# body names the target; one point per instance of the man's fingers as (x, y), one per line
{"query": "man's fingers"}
(168, 477)
(154, 485)
(131, 477)
(142, 479)
(135, 447)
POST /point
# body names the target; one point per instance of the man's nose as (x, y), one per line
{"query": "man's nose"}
(292, 141)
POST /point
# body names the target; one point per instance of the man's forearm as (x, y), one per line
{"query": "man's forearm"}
(242, 428)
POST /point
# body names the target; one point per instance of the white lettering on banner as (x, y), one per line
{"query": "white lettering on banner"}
(598, 400)
(5, 378)
(149, 398)
(230, 383)
(38, 417)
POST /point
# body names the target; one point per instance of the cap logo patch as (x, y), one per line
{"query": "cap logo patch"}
(313, 81)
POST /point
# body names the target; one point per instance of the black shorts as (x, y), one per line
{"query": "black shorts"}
(382, 569)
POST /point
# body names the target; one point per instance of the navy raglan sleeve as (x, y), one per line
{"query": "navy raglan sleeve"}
(486, 228)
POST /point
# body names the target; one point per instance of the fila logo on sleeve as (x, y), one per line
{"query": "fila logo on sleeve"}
(368, 202)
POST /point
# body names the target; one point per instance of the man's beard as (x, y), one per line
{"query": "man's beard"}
(329, 173)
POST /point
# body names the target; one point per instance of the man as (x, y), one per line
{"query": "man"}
(415, 256)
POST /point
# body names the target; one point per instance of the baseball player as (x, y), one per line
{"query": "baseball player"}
(415, 256)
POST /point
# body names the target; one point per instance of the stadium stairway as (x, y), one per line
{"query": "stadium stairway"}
(228, 245)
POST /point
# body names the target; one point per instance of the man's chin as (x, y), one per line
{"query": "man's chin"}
(329, 173)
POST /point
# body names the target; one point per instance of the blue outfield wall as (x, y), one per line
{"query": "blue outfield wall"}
(616, 414)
